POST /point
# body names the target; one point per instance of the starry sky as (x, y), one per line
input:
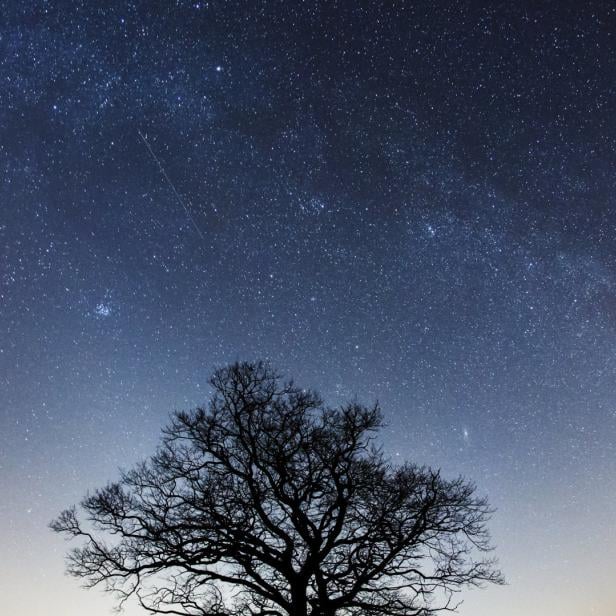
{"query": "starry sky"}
(411, 202)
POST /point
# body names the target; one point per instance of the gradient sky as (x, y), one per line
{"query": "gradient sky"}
(409, 202)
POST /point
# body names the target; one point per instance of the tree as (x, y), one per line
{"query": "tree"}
(269, 503)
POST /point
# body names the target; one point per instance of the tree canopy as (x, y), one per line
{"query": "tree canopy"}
(269, 503)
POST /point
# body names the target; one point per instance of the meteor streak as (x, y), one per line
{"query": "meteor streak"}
(171, 184)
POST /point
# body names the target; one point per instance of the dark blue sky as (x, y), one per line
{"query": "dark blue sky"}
(395, 201)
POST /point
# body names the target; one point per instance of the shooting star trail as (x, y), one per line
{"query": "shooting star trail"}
(171, 184)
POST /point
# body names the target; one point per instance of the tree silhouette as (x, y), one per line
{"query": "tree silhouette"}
(270, 503)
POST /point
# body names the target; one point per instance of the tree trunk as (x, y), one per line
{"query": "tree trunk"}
(299, 603)
(299, 608)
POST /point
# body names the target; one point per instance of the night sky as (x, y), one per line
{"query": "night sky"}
(409, 202)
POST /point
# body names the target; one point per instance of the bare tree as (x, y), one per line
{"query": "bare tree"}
(269, 503)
